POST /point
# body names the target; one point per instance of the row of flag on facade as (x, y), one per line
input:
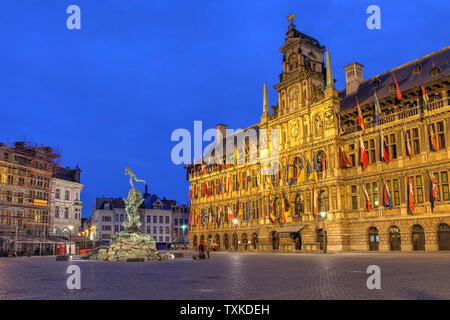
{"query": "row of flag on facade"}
(384, 150)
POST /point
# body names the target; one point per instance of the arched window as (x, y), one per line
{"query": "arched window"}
(235, 242)
(299, 207)
(322, 161)
(444, 236)
(194, 242)
(418, 237)
(244, 240)
(374, 239)
(324, 205)
(218, 241)
(395, 238)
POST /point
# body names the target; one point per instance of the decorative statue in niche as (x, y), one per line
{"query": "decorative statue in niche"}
(318, 126)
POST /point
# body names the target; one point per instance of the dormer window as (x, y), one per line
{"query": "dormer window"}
(391, 88)
(417, 68)
(435, 71)
(376, 83)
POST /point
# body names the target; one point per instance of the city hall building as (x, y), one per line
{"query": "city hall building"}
(361, 169)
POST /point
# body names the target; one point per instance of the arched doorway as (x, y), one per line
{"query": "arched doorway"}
(226, 242)
(275, 241)
(395, 238)
(218, 241)
(235, 242)
(244, 241)
(194, 242)
(444, 236)
(255, 241)
(374, 239)
(321, 238)
(418, 237)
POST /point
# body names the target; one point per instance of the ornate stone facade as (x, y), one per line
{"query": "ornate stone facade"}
(314, 119)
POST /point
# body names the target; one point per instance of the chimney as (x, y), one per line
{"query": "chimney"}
(221, 132)
(146, 191)
(353, 77)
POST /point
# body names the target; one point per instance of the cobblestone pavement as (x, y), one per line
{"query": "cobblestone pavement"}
(233, 276)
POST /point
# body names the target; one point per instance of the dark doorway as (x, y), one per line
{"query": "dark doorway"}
(255, 241)
(374, 239)
(444, 236)
(218, 241)
(321, 238)
(194, 242)
(235, 242)
(298, 241)
(395, 239)
(418, 237)
(275, 241)
(226, 242)
(202, 240)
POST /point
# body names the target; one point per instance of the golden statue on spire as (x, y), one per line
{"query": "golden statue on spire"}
(291, 18)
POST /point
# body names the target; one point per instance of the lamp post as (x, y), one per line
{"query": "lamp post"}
(235, 240)
(324, 218)
(70, 239)
(183, 227)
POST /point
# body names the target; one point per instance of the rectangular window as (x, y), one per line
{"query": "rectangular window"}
(167, 230)
(154, 219)
(440, 134)
(167, 219)
(161, 219)
(417, 187)
(116, 228)
(148, 229)
(66, 213)
(352, 155)
(154, 229)
(354, 198)
(57, 194)
(57, 212)
(392, 146)
(394, 190)
(372, 190)
(116, 218)
(413, 135)
(442, 183)
(370, 148)
(175, 221)
(67, 195)
(149, 219)
(167, 239)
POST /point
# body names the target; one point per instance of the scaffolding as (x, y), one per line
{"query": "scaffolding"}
(26, 173)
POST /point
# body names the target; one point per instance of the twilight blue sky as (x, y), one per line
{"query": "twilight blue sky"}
(110, 94)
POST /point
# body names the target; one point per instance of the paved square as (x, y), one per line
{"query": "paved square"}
(233, 276)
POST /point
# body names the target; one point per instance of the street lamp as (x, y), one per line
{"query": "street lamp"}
(183, 227)
(70, 239)
(323, 214)
(235, 240)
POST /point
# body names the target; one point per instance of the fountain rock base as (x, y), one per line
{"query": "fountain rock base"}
(129, 246)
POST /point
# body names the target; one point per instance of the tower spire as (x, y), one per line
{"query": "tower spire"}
(266, 100)
(330, 80)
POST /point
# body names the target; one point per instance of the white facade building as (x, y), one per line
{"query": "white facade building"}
(157, 221)
(65, 205)
(108, 215)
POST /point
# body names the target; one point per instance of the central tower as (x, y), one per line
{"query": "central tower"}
(302, 80)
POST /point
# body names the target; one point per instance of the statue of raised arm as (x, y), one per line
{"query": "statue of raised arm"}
(132, 176)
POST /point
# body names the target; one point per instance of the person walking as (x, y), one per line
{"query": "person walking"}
(207, 250)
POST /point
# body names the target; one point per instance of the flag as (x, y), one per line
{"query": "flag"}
(249, 209)
(291, 174)
(219, 220)
(387, 196)
(384, 150)
(313, 176)
(433, 144)
(205, 189)
(377, 109)
(409, 151)
(190, 216)
(203, 217)
(345, 163)
(190, 193)
(363, 158)
(302, 174)
(399, 93)
(360, 117)
(410, 197)
(271, 213)
(425, 101)
(366, 195)
(283, 209)
(315, 202)
(433, 190)
(230, 214)
(213, 188)
(239, 212)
